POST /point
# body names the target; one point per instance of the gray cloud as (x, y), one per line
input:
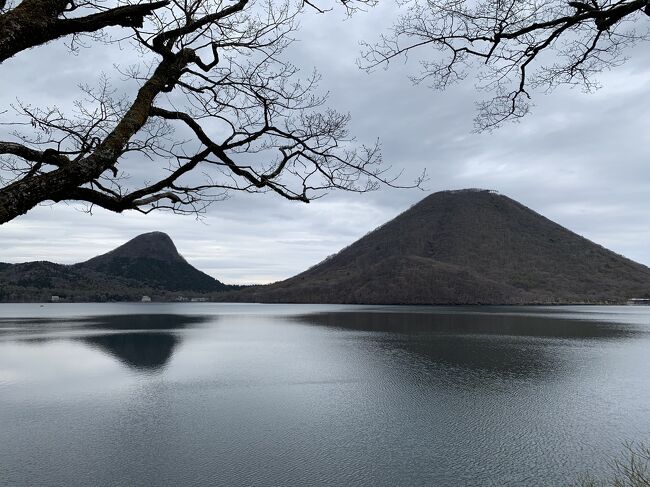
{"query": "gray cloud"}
(579, 159)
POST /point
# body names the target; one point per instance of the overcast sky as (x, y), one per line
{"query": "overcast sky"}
(580, 160)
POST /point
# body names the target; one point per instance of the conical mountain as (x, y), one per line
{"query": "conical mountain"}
(465, 247)
(153, 260)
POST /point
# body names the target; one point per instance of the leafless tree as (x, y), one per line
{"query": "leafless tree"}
(218, 108)
(512, 46)
(632, 469)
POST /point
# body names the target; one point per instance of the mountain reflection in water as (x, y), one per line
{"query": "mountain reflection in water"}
(145, 342)
(463, 324)
(490, 344)
(207, 394)
(148, 341)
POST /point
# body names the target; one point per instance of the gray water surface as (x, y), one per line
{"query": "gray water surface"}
(291, 395)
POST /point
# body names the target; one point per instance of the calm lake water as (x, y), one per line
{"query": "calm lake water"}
(278, 395)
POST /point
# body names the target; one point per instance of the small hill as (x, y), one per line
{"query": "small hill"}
(464, 247)
(153, 260)
(156, 244)
(147, 265)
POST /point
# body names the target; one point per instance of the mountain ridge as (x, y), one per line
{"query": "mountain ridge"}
(465, 247)
(149, 264)
(453, 247)
(156, 244)
(152, 258)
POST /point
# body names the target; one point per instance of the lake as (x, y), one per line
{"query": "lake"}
(206, 394)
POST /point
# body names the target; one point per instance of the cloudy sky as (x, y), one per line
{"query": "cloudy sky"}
(581, 160)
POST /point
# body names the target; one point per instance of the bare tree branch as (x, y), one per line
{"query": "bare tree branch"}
(35, 22)
(218, 109)
(502, 43)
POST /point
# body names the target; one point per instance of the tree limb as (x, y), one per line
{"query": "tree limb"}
(505, 40)
(48, 156)
(36, 22)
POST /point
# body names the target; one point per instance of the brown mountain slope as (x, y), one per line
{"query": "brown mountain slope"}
(463, 247)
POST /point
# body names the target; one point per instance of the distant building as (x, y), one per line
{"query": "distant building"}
(198, 300)
(644, 301)
(146, 299)
(55, 299)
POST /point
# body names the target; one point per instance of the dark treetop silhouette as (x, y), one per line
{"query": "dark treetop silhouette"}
(218, 108)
